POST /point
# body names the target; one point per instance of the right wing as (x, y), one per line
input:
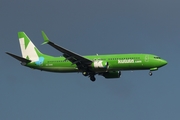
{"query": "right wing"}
(74, 58)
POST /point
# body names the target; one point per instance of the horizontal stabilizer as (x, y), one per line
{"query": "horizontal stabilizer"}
(19, 58)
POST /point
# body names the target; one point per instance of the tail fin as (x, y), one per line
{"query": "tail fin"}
(28, 49)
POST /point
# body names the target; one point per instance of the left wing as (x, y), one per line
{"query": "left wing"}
(75, 58)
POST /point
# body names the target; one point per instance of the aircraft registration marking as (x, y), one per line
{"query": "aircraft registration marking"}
(49, 64)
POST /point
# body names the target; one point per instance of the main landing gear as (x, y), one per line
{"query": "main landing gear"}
(91, 75)
(150, 73)
(92, 78)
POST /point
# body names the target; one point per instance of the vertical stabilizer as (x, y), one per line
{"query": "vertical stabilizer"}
(28, 49)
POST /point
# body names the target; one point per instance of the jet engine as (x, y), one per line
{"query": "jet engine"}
(112, 74)
(100, 65)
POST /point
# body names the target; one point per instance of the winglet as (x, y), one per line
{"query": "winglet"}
(46, 39)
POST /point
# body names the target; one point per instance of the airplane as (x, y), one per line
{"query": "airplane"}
(108, 66)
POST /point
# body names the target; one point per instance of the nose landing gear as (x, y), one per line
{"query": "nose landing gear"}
(150, 73)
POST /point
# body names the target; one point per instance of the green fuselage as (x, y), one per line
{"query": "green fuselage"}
(116, 62)
(108, 66)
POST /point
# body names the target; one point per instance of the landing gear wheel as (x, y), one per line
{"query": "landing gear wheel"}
(150, 73)
(92, 78)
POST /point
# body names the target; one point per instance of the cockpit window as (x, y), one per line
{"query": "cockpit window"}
(157, 57)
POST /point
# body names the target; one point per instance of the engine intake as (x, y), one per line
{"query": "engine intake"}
(100, 64)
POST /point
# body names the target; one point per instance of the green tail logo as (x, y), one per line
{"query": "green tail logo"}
(28, 49)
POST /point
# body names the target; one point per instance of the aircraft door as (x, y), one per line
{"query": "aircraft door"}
(146, 58)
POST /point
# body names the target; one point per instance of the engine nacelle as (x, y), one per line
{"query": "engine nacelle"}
(99, 64)
(112, 74)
